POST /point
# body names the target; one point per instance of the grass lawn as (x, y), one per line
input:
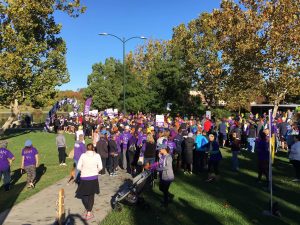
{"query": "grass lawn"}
(236, 199)
(48, 173)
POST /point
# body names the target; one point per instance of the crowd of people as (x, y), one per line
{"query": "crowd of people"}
(136, 142)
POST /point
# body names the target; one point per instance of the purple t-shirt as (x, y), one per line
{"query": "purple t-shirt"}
(172, 146)
(142, 141)
(29, 156)
(5, 154)
(79, 149)
(125, 138)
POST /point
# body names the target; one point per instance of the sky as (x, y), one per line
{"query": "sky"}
(153, 19)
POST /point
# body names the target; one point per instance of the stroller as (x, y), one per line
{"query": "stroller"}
(129, 192)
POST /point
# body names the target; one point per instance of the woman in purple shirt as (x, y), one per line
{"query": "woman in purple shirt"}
(30, 160)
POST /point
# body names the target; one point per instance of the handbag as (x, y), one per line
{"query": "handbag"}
(140, 161)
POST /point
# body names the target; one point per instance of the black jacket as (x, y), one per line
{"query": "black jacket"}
(102, 148)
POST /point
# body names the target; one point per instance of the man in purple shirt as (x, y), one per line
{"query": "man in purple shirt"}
(125, 138)
(6, 158)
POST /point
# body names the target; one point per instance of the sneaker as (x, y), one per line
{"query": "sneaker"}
(185, 172)
(64, 164)
(89, 216)
(111, 174)
(115, 174)
(191, 173)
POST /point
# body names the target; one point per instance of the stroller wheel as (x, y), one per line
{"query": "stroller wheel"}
(118, 207)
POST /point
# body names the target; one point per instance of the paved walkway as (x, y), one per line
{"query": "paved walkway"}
(40, 209)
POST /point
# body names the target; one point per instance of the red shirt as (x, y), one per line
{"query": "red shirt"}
(207, 125)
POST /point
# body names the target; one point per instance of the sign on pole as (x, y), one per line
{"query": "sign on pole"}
(208, 114)
(270, 161)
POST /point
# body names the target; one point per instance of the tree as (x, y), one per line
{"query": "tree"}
(259, 43)
(32, 53)
(105, 84)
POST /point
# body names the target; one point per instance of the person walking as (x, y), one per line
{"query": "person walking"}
(113, 155)
(262, 147)
(150, 150)
(79, 149)
(6, 159)
(89, 165)
(125, 137)
(200, 153)
(294, 156)
(166, 173)
(102, 149)
(61, 146)
(188, 154)
(214, 157)
(235, 150)
(30, 161)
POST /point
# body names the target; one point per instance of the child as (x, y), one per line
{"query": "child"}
(235, 149)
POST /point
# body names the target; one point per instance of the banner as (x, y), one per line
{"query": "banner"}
(87, 106)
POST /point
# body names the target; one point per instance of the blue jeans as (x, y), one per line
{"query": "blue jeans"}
(251, 144)
(235, 160)
(6, 178)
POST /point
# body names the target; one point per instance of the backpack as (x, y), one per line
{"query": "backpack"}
(132, 148)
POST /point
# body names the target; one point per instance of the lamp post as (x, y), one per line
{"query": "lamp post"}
(123, 40)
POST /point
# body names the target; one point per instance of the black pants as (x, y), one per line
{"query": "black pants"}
(88, 202)
(62, 154)
(104, 165)
(215, 165)
(164, 188)
(131, 156)
(296, 164)
(113, 163)
(200, 160)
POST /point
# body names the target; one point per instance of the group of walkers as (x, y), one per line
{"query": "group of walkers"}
(135, 142)
(29, 163)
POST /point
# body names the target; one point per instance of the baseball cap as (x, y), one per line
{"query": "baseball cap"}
(28, 143)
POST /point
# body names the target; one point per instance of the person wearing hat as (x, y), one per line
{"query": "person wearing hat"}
(78, 132)
(61, 147)
(30, 161)
(166, 173)
(6, 158)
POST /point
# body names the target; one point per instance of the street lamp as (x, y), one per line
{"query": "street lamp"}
(123, 40)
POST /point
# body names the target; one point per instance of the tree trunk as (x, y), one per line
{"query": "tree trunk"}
(276, 103)
(14, 108)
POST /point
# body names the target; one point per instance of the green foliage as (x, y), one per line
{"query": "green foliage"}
(220, 113)
(32, 53)
(105, 84)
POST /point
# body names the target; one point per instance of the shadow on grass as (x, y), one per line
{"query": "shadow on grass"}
(40, 171)
(13, 133)
(245, 195)
(7, 199)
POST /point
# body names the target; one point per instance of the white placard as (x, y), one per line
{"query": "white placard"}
(208, 114)
(160, 120)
